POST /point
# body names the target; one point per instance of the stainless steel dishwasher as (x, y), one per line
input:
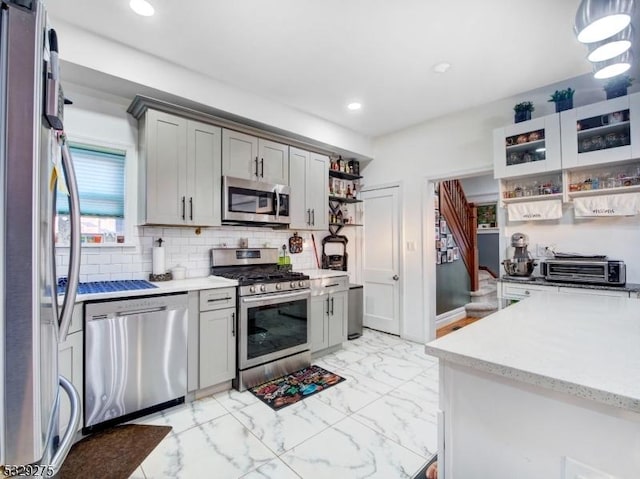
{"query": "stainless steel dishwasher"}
(135, 357)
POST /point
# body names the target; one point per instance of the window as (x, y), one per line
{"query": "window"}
(102, 185)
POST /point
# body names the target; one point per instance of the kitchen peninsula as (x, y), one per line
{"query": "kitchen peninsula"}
(548, 381)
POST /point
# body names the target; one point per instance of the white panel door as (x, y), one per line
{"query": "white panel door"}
(381, 260)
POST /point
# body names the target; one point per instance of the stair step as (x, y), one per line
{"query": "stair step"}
(485, 290)
(480, 309)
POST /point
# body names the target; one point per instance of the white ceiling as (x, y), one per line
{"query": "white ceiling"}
(316, 56)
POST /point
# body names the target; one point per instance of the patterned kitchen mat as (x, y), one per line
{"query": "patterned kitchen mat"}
(286, 390)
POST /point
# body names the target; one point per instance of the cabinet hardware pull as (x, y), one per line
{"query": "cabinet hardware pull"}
(328, 307)
(218, 299)
(313, 217)
(331, 285)
(262, 167)
(309, 217)
(183, 208)
(256, 160)
(233, 324)
(191, 208)
(331, 306)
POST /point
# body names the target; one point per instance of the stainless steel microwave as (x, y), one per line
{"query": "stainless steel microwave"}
(246, 201)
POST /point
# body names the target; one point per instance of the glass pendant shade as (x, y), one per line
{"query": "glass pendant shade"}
(614, 66)
(597, 20)
(611, 47)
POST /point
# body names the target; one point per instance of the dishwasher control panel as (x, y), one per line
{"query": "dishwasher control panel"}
(102, 309)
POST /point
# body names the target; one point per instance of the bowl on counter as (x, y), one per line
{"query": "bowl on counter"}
(519, 267)
(179, 272)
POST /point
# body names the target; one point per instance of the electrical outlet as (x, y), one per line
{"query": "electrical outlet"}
(576, 470)
(545, 250)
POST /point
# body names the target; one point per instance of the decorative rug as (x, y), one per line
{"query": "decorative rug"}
(290, 389)
(114, 453)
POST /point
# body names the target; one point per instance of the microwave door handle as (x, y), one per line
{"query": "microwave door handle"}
(73, 276)
(277, 203)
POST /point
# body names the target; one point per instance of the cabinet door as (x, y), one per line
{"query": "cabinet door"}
(299, 212)
(594, 292)
(166, 171)
(599, 133)
(513, 291)
(204, 169)
(527, 148)
(319, 323)
(70, 365)
(273, 162)
(318, 191)
(239, 155)
(217, 346)
(338, 310)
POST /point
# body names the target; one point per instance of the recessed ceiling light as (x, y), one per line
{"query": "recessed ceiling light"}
(441, 67)
(142, 7)
(354, 106)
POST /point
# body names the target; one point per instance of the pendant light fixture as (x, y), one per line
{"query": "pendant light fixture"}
(597, 20)
(612, 67)
(611, 47)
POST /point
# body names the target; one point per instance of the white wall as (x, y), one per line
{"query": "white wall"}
(458, 145)
(88, 50)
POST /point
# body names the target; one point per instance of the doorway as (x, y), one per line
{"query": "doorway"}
(381, 259)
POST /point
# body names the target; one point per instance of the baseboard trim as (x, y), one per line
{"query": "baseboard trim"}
(450, 316)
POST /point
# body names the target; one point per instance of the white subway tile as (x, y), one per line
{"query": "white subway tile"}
(110, 268)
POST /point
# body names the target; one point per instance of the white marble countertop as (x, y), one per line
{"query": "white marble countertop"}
(321, 273)
(162, 287)
(587, 347)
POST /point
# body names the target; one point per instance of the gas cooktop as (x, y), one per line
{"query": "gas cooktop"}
(247, 277)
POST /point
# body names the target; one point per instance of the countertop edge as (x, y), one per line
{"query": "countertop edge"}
(554, 384)
(539, 281)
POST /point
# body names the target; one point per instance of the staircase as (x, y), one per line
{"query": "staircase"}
(461, 219)
(484, 300)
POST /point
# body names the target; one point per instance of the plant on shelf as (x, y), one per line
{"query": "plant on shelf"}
(563, 99)
(523, 111)
(617, 86)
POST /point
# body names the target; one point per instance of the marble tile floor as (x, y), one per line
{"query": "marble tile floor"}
(379, 423)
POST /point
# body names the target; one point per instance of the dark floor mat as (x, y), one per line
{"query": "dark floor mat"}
(114, 453)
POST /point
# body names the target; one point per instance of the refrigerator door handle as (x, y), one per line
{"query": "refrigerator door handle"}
(73, 276)
(74, 421)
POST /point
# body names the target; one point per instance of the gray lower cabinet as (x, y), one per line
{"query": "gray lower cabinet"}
(328, 320)
(217, 337)
(71, 363)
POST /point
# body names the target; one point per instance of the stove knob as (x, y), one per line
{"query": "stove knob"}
(278, 286)
(293, 284)
(301, 284)
(263, 288)
(252, 289)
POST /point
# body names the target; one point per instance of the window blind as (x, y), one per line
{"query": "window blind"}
(100, 175)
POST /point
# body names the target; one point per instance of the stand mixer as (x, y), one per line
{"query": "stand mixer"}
(522, 264)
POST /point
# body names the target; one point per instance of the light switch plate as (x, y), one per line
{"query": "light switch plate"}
(577, 470)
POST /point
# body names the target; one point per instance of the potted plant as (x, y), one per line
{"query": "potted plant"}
(617, 86)
(523, 111)
(563, 99)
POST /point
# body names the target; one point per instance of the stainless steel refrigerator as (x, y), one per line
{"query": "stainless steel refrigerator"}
(33, 159)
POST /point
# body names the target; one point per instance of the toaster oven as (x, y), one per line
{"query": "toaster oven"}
(595, 271)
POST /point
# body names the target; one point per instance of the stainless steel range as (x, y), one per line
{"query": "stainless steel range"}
(274, 308)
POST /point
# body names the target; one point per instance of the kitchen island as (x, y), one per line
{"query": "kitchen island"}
(536, 386)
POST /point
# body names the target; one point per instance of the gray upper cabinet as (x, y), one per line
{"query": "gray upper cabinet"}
(309, 177)
(252, 158)
(179, 171)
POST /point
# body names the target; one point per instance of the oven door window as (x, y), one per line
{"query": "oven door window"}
(242, 200)
(276, 327)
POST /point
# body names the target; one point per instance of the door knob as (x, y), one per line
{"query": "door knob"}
(396, 277)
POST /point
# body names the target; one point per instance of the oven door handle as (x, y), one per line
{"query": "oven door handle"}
(265, 297)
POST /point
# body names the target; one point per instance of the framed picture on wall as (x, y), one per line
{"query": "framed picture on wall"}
(443, 227)
(443, 242)
(487, 215)
(450, 255)
(443, 256)
(450, 243)
(438, 258)
(436, 202)
(437, 237)
(437, 218)
(456, 253)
